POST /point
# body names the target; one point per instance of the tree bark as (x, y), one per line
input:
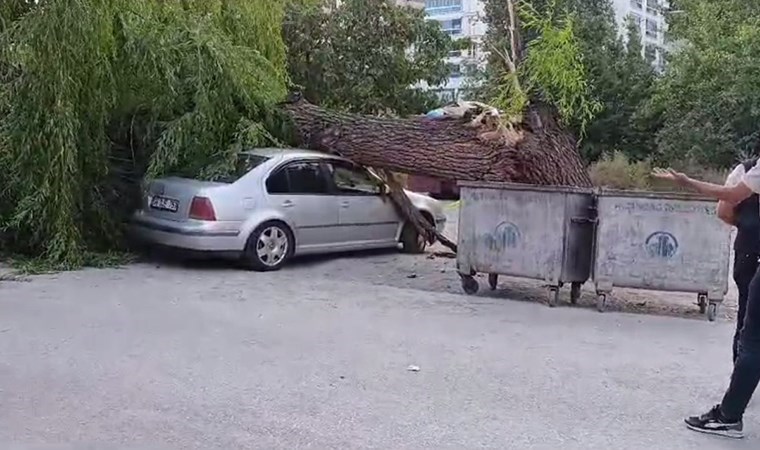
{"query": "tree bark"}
(544, 154)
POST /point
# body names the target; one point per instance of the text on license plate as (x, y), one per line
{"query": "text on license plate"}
(166, 204)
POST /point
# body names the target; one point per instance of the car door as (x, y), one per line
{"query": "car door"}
(366, 217)
(301, 191)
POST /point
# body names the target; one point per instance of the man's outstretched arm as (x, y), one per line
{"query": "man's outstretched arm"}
(731, 194)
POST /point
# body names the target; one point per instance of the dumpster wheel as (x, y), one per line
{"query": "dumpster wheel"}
(601, 302)
(575, 293)
(493, 281)
(470, 285)
(553, 296)
(712, 312)
(702, 302)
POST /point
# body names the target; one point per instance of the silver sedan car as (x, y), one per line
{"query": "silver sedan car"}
(279, 203)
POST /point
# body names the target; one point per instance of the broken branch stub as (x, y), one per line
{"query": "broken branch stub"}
(406, 209)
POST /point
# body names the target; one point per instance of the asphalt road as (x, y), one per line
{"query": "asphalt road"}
(318, 355)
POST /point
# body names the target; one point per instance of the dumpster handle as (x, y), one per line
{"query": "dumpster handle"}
(583, 220)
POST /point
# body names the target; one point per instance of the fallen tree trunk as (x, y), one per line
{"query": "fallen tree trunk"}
(540, 153)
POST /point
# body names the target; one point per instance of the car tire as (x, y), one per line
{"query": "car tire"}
(269, 247)
(411, 240)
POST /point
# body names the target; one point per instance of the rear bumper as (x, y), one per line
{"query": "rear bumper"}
(191, 235)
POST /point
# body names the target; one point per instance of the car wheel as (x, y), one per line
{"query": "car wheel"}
(268, 248)
(411, 240)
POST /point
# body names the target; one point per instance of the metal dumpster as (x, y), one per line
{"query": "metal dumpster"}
(537, 232)
(664, 242)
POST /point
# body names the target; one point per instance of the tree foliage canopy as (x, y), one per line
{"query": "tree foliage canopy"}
(623, 81)
(364, 56)
(708, 103)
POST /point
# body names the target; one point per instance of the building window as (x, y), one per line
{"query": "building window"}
(650, 53)
(652, 28)
(455, 70)
(440, 7)
(637, 4)
(455, 53)
(653, 7)
(452, 27)
(637, 19)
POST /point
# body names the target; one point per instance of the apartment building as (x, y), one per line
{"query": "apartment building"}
(413, 3)
(460, 19)
(650, 16)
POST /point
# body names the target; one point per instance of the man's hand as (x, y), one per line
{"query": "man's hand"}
(671, 175)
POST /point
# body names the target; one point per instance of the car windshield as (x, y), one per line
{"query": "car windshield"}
(244, 164)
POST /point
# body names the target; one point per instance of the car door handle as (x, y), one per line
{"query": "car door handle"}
(345, 204)
(288, 204)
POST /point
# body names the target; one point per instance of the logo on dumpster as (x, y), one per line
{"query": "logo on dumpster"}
(506, 235)
(662, 244)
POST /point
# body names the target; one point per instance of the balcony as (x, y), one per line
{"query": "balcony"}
(442, 7)
(451, 27)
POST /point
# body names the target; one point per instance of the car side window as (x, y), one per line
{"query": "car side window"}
(277, 183)
(352, 180)
(299, 178)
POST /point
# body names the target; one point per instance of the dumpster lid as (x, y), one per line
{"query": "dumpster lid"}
(524, 187)
(655, 195)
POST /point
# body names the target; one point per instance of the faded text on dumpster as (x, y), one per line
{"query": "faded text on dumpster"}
(676, 207)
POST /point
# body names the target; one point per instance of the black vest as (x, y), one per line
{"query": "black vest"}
(748, 220)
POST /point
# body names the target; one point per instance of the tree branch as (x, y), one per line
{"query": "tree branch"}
(514, 33)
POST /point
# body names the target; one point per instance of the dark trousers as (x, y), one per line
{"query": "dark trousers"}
(745, 266)
(746, 375)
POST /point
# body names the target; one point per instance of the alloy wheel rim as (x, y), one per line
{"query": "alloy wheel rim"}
(272, 246)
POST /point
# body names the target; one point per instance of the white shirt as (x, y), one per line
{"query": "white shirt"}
(735, 176)
(751, 178)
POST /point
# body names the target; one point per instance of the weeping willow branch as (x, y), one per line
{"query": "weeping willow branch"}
(93, 93)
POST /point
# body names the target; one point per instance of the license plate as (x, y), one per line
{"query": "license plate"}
(165, 204)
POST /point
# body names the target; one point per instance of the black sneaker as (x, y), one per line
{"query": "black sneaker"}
(713, 422)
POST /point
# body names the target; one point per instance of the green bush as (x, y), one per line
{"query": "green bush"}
(617, 171)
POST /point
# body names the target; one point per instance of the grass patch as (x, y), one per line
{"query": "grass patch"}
(23, 265)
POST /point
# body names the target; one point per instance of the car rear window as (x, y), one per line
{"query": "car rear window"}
(244, 164)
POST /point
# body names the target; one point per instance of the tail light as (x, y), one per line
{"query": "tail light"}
(202, 209)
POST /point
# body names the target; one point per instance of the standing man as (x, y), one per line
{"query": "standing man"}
(746, 217)
(725, 419)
